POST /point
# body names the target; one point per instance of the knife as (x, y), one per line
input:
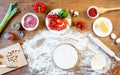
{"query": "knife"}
(103, 47)
(6, 66)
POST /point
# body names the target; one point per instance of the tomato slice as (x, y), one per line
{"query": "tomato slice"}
(55, 23)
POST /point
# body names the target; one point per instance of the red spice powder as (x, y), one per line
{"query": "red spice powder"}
(92, 12)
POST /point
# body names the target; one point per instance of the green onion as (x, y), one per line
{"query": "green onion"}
(12, 10)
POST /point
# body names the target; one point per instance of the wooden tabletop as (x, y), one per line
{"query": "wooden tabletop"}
(79, 5)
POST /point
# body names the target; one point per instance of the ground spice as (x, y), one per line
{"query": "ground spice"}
(10, 36)
(92, 12)
(0, 63)
(1, 56)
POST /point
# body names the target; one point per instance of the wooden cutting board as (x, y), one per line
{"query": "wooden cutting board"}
(12, 55)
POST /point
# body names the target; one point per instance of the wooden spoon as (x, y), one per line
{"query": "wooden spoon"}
(102, 10)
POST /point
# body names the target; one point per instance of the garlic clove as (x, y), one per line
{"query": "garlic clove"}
(113, 36)
(118, 40)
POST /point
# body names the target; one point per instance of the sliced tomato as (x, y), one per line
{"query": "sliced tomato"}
(60, 21)
(65, 21)
(55, 23)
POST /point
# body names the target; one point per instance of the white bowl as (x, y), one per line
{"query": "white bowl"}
(97, 30)
(101, 63)
(96, 10)
(67, 18)
(65, 56)
(22, 21)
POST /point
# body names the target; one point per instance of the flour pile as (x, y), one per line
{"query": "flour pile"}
(39, 52)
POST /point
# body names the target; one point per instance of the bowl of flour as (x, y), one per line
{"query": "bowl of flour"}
(101, 63)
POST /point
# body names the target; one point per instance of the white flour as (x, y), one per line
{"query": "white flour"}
(39, 52)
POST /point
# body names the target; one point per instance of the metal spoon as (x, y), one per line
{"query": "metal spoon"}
(8, 66)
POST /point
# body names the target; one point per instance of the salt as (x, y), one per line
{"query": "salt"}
(39, 51)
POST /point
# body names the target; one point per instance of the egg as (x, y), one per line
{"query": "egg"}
(113, 36)
(118, 40)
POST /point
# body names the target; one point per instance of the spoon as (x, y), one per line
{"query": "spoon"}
(102, 10)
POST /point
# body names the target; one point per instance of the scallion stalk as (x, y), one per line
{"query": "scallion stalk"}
(12, 9)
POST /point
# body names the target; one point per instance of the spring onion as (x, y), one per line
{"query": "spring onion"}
(12, 10)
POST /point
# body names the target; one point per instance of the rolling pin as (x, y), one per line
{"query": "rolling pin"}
(104, 47)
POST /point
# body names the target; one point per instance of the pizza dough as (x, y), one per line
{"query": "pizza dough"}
(65, 56)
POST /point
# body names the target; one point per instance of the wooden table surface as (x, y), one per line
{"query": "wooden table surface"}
(79, 5)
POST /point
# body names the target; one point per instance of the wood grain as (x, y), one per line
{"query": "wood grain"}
(79, 5)
(8, 53)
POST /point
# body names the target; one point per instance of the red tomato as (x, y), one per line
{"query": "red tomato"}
(65, 21)
(60, 21)
(75, 23)
(79, 26)
(55, 23)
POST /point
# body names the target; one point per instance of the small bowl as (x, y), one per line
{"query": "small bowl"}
(30, 28)
(101, 63)
(97, 14)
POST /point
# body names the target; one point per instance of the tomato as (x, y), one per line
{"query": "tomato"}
(55, 23)
(80, 24)
(58, 28)
(51, 28)
(39, 7)
(75, 23)
(64, 26)
(65, 21)
(60, 21)
(42, 10)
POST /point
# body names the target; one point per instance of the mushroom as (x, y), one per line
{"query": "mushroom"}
(71, 11)
(75, 13)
